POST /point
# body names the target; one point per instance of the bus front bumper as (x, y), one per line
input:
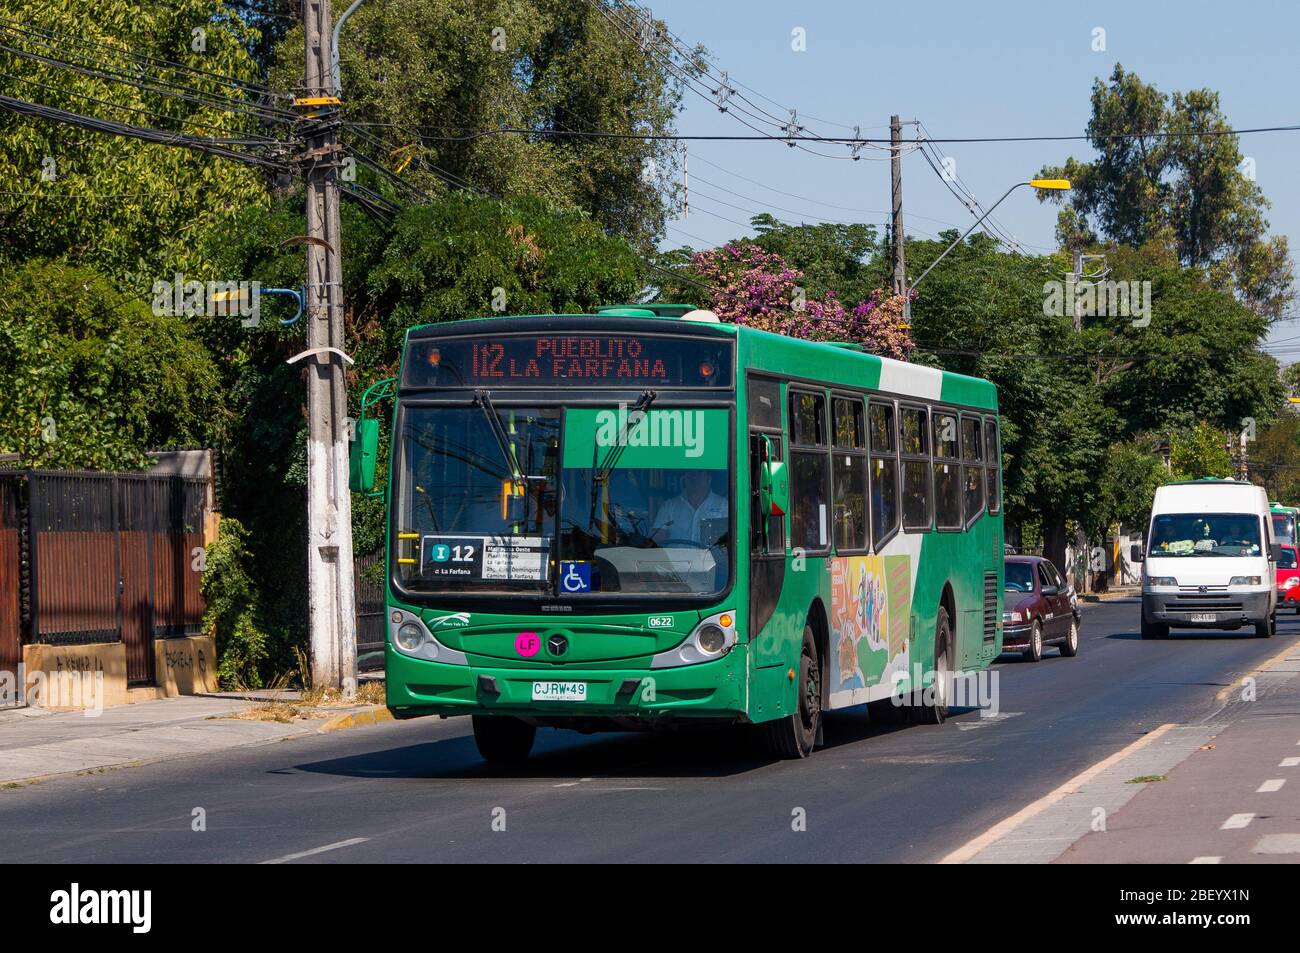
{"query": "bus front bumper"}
(716, 689)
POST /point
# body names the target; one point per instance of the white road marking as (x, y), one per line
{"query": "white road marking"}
(1236, 822)
(984, 721)
(317, 850)
(1289, 762)
(1271, 785)
(1277, 844)
(1205, 860)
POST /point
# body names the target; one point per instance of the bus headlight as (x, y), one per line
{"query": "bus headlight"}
(1162, 581)
(711, 640)
(1244, 581)
(409, 637)
(1290, 583)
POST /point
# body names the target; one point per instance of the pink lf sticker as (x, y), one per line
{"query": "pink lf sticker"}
(527, 644)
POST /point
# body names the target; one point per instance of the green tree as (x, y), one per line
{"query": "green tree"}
(92, 377)
(1274, 459)
(1128, 486)
(434, 73)
(1200, 452)
(1169, 172)
(129, 208)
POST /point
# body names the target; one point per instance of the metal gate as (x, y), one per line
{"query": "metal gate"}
(11, 588)
(115, 557)
(368, 574)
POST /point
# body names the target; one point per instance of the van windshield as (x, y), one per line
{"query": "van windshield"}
(1205, 534)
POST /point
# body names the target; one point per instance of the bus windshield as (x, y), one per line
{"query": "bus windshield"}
(1284, 527)
(1205, 534)
(605, 500)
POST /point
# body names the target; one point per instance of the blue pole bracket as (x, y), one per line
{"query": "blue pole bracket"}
(295, 293)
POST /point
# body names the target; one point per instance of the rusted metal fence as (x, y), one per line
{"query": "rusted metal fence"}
(11, 575)
(101, 557)
(368, 573)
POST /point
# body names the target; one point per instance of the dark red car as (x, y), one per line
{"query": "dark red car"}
(1039, 608)
(1288, 578)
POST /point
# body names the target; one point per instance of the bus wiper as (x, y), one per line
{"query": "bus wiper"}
(612, 455)
(483, 399)
(606, 467)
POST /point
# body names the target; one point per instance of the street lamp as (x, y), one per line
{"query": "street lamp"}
(1055, 185)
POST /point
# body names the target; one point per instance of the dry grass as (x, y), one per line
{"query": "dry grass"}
(371, 693)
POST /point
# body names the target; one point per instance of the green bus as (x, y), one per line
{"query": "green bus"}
(648, 518)
(1284, 522)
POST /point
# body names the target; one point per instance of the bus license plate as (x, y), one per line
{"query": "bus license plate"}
(559, 691)
(1204, 617)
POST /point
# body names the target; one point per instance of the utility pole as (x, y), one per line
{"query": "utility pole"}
(330, 607)
(896, 221)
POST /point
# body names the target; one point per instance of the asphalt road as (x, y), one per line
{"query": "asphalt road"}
(417, 791)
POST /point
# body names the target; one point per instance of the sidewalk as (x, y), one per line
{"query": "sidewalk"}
(1235, 799)
(36, 744)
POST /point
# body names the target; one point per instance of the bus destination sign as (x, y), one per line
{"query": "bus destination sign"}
(594, 359)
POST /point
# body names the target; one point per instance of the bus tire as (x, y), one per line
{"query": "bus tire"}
(501, 739)
(795, 735)
(1265, 629)
(932, 707)
(1035, 651)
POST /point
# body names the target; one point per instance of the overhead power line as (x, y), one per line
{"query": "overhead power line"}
(211, 146)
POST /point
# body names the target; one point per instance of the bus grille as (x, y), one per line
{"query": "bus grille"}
(990, 607)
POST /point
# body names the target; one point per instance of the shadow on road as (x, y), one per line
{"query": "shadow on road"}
(568, 756)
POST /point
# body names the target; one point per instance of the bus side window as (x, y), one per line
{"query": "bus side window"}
(914, 444)
(947, 476)
(994, 461)
(849, 475)
(775, 540)
(972, 470)
(809, 476)
(884, 472)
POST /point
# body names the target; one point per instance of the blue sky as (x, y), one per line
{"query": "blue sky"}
(967, 69)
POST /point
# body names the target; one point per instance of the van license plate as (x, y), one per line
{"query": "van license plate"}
(559, 691)
(1204, 617)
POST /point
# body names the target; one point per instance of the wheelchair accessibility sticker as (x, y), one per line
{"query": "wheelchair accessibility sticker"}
(575, 577)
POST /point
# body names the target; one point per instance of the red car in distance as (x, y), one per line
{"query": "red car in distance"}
(1288, 578)
(1040, 608)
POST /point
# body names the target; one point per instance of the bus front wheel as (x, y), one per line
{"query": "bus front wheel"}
(501, 739)
(795, 735)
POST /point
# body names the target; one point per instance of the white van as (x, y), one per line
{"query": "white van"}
(1210, 559)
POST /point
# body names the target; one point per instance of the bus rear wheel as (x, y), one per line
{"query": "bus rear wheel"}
(501, 739)
(932, 706)
(795, 735)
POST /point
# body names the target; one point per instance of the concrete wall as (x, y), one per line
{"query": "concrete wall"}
(70, 677)
(73, 677)
(187, 665)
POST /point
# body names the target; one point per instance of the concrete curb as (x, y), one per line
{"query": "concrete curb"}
(1110, 595)
(373, 715)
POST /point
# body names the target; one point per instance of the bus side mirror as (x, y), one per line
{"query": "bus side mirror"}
(361, 456)
(774, 484)
(1275, 552)
(1135, 553)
